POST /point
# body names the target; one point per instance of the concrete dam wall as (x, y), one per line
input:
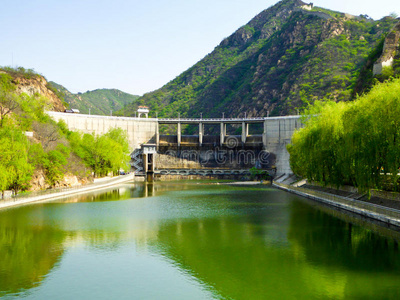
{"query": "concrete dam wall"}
(279, 131)
(140, 131)
(205, 151)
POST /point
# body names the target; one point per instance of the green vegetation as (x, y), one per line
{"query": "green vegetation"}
(28, 253)
(279, 62)
(103, 154)
(20, 72)
(355, 143)
(15, 170)
(259, 174)
(53, 150)
(100, 102)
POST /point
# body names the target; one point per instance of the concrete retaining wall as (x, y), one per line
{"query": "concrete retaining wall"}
(354, 207)
(107, 182)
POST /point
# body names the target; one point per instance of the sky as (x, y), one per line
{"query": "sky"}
(135, 46)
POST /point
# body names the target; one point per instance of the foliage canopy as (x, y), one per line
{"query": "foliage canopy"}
(54, 150)
(354, 143)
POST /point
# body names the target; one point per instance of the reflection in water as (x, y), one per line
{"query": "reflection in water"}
(339, 243)
(254, 258)
(184, 240)
(344, 260)
(112, 194)
(28, 249)
(125, 192)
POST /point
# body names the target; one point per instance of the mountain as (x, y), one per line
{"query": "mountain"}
(27, 81)
(286, 57)
(100, 102)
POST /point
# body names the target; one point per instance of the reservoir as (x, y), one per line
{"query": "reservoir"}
(194, 240)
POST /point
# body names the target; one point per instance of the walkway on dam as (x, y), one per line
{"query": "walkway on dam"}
(210, 120)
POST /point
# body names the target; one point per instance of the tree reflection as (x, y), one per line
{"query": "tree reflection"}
(239, 243)
(327, 240)
(269, 249)
(28, 251)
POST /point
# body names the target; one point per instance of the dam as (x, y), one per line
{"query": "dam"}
(264, 149)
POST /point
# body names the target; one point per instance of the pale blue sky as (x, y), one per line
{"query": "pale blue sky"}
(135, 46)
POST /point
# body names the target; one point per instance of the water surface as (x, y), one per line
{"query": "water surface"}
(185, 240)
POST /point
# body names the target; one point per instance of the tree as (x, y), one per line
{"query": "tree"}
(102, 153)
(47, 133)
(8, 103)
(4, 179)
(352, 143)
(21, 174)
(121, 149)
(32, 108)
(54, 162)
(14, 159)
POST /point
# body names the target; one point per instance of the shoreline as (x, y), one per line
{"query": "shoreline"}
(383, 214)
(13, 202)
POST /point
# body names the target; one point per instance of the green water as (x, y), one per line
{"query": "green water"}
(194, 241)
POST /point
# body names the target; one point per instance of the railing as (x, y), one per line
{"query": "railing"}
(55, 113)
(227, 120)
(210, 119)
(137, 161)
(346, 202)
(203, 172)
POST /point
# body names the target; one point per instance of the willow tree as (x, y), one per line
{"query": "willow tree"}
(373, 129)
(316, 150)
(355, 142)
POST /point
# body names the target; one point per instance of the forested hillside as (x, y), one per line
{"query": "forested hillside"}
(285, 58)
(38, 153)
(100, 102)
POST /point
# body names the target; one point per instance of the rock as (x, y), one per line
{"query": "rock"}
(38, 85)
(69, 180)
(38, 181)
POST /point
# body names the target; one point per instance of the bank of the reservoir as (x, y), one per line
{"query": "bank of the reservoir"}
(52, 195)
(377, 212)
(381, 213)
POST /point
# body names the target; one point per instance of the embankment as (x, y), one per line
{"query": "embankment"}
(384, 214)
(56, 194)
